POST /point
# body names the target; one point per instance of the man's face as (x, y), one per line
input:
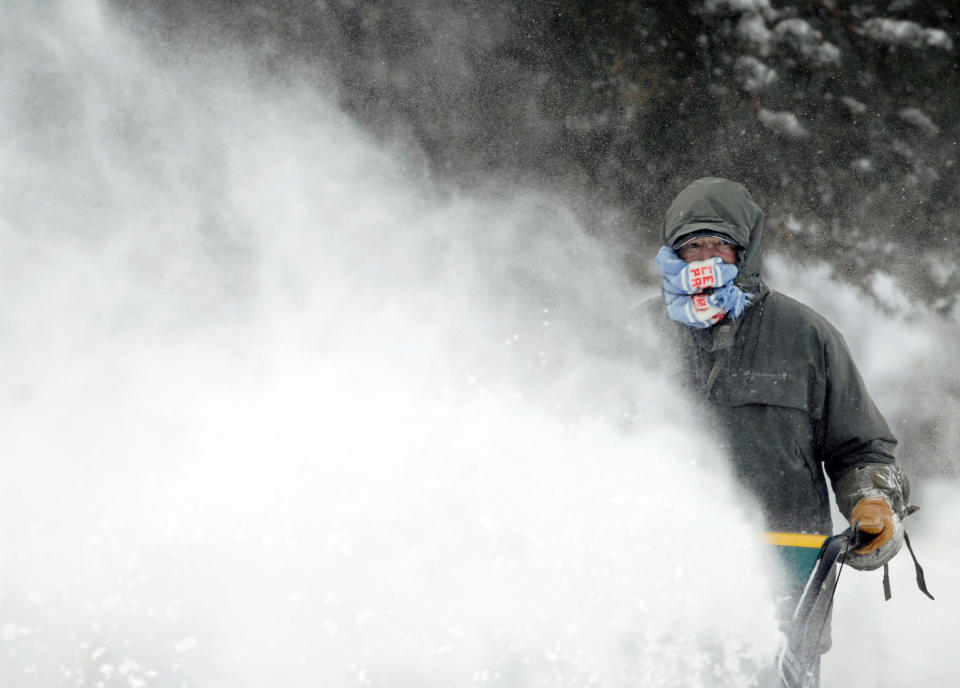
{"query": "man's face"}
(704, 248)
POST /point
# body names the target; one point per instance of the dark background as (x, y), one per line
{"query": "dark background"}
(618, 105)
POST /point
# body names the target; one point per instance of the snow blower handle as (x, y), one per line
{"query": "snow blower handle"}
(857, 538)
(800, 650)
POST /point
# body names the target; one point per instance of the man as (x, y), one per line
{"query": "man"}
(778, 378)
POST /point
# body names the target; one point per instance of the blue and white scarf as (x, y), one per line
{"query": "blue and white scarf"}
(700, 294)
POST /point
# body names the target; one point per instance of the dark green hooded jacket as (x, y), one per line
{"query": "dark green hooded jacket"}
(787, 397)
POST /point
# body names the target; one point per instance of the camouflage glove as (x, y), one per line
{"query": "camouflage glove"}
(873, 516)
(872, 480)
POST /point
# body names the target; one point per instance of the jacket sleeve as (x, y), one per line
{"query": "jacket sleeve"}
(856, 444)
(874, 480)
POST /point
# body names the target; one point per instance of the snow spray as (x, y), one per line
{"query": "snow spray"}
(279, 411)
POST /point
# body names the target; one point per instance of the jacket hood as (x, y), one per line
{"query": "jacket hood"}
(719, 205)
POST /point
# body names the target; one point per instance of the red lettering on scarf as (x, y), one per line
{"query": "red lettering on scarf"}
(701, 304)
(702, 277)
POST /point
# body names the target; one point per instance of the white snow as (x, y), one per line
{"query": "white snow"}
(753, 28)
(826, 53)
(264, 429)
(286, 379)
(910, 34)
(919, 119)
(784, 124)
(754, 76)
(801, 37)
(890, 293)
(734, 6)
(942, 270)
(186, 645)
(853, 105)
(794, 225)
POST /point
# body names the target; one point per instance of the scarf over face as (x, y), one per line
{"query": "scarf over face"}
(723, 207)
(702, 293)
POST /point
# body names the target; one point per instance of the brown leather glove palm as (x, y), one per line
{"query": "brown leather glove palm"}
(874, 516)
